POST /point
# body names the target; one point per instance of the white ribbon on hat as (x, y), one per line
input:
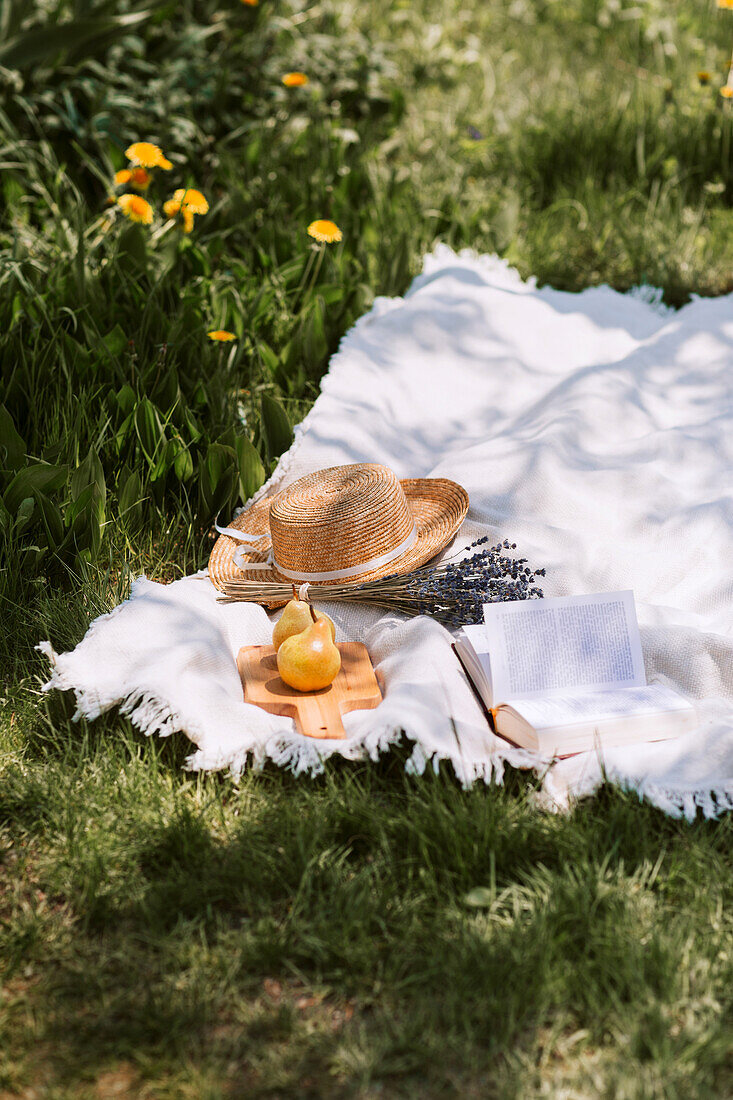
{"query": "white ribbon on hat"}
(243, 537)
(327, 575)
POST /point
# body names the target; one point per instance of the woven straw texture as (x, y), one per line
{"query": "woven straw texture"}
(343, 516)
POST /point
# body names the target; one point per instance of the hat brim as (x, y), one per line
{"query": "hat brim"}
(438, 505)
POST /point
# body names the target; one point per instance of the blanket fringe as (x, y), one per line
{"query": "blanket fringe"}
(150, 714)
(146, 711)
(711, 802)
(306, 756)
(296, 753)
(675, 802)
(86, 705)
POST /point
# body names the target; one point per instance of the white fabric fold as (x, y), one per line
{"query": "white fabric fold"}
(594, 430)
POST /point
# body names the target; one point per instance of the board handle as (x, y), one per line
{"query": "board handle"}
(318, 715)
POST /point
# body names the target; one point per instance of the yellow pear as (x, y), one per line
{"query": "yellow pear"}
(309, 660)
(296, 618)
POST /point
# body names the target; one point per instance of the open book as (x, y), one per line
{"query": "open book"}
(564, 675)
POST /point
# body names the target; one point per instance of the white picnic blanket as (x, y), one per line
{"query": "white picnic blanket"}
(595, 430)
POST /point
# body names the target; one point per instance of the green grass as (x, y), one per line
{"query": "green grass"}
(364, 934)
(192, 934)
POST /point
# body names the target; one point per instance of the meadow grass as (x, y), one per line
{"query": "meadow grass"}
(366, 933)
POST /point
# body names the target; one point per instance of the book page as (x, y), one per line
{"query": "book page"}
(476, 637)
(600, 706)
(562, 645)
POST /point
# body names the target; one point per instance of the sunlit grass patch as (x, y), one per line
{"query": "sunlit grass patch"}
(192, 922)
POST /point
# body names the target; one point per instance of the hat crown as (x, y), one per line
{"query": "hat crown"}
(339, 518)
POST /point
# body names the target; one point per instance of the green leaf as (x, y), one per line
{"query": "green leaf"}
(268, 357)
(123, 432)
(276, 427)
(79, 37)
(166, 459)
(89, 473)
(75, 355)
(149, 429)
(251, 470)
(291, 271)
(84, 521)
(289, 368)
(200, 397)
(125, 398)
(217, 478)
(183, 465)
(24, 515)
(52, 520)
(218, 462)
(314, 332)
(174, 457)
(114, 344)
(194, 432)
(167, 392)
(85, 515)
(38, 478)
(131, 500)
(12, 447)
(16, 308)
(331, 293)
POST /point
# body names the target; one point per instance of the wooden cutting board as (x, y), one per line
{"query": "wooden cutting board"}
(316, 713)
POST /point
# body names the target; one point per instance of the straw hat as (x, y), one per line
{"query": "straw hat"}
(347, 524)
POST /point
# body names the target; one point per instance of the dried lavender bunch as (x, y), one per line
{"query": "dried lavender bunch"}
(452, 592)
(455, 592)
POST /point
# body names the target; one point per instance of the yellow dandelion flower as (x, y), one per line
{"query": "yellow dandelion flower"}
(136, 208)
(704, 76)
(726, 91)
(294, 80)
(325, 231)
(726, 4)
(173, 208)
(147, 155)
(140, 178)
(221, 335)
(191, 199)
